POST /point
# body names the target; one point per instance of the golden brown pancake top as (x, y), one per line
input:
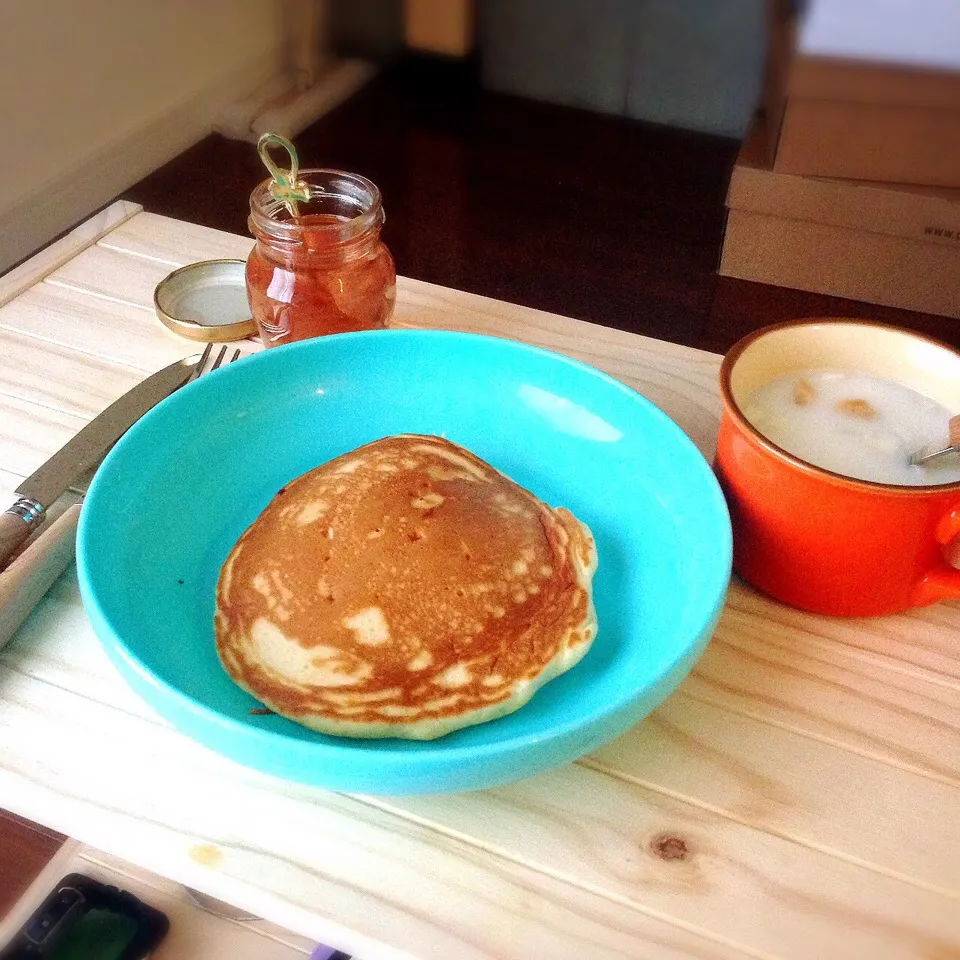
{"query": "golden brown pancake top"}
(403, 581)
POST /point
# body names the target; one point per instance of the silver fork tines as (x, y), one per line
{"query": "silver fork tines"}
(202, 364)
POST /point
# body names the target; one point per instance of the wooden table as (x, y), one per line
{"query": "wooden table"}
(796, 797)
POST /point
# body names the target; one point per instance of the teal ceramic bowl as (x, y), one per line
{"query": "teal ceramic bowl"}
(180, 487)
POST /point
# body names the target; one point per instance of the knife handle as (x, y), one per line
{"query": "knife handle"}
(16, 524)
(24, 583)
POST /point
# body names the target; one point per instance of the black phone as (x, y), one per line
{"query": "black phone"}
(84, 919)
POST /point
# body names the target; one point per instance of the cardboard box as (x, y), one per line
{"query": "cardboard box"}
(881, 243)
(874, 97)
(870, 122)
(781, 43)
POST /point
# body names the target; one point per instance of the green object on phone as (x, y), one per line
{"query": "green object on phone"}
(100, 934)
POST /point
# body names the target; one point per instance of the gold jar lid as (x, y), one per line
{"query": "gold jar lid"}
(206, 301)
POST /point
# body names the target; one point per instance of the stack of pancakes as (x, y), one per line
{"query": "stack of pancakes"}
(405, 589)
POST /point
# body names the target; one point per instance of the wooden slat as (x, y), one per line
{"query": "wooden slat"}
(925, 639)
(756, 773)
(8, 483)
(825, 689)
(635, 843)
(61, 251)
(90, 325)
(56, 646)
(537, 820)
(113, 275)
(175, 242)
(785, 783)
(29, 434)
(679, 380)
(52, 376)
(325, 864)
(594, 834)
(129, 262)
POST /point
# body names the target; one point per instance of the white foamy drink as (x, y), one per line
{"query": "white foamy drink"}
(855, 425)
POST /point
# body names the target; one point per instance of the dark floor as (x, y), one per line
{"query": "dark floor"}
(25, 849)
(595, 217)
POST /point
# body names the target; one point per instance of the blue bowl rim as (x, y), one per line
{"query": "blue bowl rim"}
(344, 747)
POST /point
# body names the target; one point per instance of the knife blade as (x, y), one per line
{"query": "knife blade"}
(84, 451)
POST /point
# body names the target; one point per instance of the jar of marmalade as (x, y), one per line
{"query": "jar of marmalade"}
(321, 266)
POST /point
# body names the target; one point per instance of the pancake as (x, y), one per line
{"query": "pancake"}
(405, 589)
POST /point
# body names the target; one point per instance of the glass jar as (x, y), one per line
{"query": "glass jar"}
(325, 270)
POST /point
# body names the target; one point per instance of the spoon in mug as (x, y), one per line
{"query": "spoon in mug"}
(933, 451)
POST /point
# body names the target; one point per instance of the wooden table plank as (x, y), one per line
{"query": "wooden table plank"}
(173, 242)
(825, 690)
(755, 773)
(574, 830)
(638, 844)
(92, 326)
(127, 264)
(900, 935)
(8, 483)
(925, 639)
(334, 861)
(32, 271)
(544, 808)
(789, 784)
(56, 377)
(29, 433)
(56, 646)
(112, 275)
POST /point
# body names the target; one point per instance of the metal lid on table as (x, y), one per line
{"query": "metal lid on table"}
(206, 301)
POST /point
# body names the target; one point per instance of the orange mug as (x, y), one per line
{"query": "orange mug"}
(815, 539)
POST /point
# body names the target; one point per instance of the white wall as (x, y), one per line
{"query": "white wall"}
(923, 33)
(94, 94)
(697, 64)
(688, 63)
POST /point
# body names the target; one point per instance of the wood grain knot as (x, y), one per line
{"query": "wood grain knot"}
(206, 854)
(666, 846)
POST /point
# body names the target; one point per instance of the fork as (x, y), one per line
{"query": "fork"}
(201, 367)
(25, 582)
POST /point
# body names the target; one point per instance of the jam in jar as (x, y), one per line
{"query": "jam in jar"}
(321, 268)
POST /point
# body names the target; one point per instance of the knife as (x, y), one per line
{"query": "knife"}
(84, 451)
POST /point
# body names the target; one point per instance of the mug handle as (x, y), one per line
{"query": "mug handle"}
(943, 581)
